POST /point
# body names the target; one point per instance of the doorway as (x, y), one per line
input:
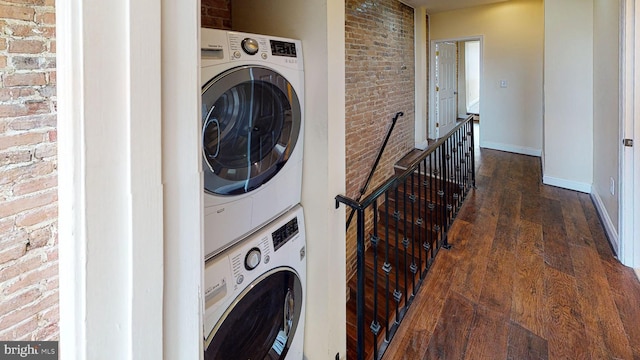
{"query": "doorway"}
(455, 92)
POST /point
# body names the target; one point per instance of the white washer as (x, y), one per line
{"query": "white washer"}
(255, 294)
(252, 126)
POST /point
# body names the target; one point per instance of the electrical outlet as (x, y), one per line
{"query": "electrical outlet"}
(612, 186)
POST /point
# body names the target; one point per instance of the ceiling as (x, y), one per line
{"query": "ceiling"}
(444, 5)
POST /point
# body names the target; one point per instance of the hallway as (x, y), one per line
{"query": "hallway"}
(530, 276)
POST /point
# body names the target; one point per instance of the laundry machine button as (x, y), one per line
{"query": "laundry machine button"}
(252, 259)
(239, 279)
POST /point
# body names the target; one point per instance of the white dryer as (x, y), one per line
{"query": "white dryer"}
(252, 126)
(255, 294)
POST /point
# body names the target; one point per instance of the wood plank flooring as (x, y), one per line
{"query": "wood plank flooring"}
(530, 276)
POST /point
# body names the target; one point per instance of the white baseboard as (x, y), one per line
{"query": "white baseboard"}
(637, 270)
(609, 228)
(567, 184)
(511, 148)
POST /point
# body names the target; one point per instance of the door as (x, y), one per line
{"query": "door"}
(251, 121)
(262, 322)
(445, 87)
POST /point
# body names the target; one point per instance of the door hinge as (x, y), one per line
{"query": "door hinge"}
(437, 88)
(437, 53)
(627, 142)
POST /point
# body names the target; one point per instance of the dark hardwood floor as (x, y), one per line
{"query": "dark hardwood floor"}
(530, 276)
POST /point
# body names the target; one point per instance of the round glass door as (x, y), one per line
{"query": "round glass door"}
(251, 121)
(261, 323)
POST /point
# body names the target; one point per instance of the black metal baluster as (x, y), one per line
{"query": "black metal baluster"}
(413, 267)
(396, 292)
(375, 324)
(387, 266)
(447, 206)
(405, 240)
(361, 281)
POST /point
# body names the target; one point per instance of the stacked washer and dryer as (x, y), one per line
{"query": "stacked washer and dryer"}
(252, 140)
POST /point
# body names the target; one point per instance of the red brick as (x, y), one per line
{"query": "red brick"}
(52, 46)
(53, 135)
(49, 2)
(3, 44)
(25, 79)
(12, 252)
(46, 18)
(20, 307)
(17, 12)
(27, 203)
(32, 122)
(27, 2)
(52, 77)
(8, 94)
(26, 172)
(34, 185)
(46, 150)
(48, 333)
(10, 141)
(15, 157)
(52, 255)
(3, 62)
(20, 30)
(39, 238)
(34, 277)
(20, 330)
(6, 226)
(23, 265)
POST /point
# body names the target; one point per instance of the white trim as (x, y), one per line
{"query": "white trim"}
(610, 229)
(420, 44)
(110, 183)
(511, 148)
(629, 195)
(567, 184)
(637, 271)
(182, 179)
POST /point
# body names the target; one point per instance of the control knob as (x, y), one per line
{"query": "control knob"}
(252, 260)
(250, 46)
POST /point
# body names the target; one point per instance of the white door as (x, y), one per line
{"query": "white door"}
(445, 87)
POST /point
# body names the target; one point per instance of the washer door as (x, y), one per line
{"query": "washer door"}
(251, 121)
(262, 321)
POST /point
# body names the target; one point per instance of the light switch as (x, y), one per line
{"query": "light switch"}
(503, 83)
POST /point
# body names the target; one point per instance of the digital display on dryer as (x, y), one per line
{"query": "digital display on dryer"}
(281, 48)
(284, 233)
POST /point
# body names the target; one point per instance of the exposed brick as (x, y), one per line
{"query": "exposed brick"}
(48, 91)
(30, 279)
(26, 172)
(37, 216)
(25, 79)
(6, 225)
(21, 307)
(53, 47)
(34, 185)
(20, 30)
(14, 157)
(46, 18)
(17, 12)
(27, 203)
(53, 135)
(20, 140)
(46, 150)
(8, 94)
(26, 46)
(3, 44)
(32, 122)
(26, 2)
(20, 330)
(3, 62)
(26, 62)
(48, 332)
(23, 265)
(12, 252)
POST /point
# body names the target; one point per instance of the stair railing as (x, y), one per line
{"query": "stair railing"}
(406, 221)
(364, 188)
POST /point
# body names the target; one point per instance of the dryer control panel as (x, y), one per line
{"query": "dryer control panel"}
(284, 233)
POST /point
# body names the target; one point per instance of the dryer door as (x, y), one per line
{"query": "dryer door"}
(262, 321)
(251, 120)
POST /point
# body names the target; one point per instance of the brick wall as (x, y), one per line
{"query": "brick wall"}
(380, 81)
(216, 14)
(28, 177)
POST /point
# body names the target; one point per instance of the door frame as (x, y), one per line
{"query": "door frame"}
(628, 247)
(432, 72)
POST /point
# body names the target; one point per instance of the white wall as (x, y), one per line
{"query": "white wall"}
(512, 50)
(606, 114)
(320, 26)
(568, 94)
(472, 71)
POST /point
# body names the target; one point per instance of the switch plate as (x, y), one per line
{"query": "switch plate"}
(612, 186)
